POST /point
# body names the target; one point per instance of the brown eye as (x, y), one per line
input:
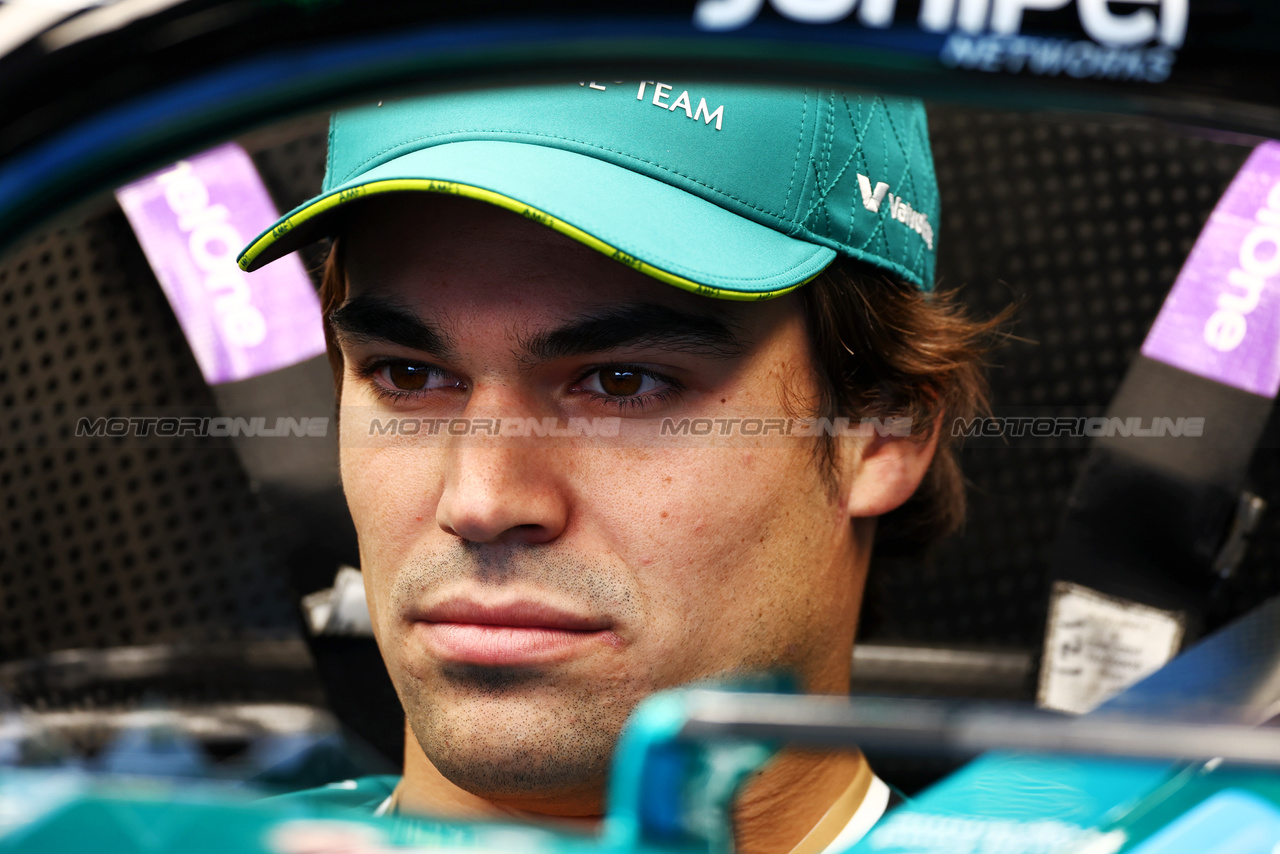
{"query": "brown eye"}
(620, 382)
(408, 377)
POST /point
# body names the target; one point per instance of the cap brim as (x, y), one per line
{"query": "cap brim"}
(658, 229)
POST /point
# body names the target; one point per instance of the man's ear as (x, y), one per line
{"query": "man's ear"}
(886, 472)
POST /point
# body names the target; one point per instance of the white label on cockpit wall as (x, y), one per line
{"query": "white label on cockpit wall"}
(1095, 646)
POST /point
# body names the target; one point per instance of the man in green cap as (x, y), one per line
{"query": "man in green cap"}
(633, 378)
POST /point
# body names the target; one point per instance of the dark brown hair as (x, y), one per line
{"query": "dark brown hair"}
(333, 292)
(883, 349)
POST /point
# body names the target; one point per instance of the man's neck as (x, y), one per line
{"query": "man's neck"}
(800, 797)
(779, 808)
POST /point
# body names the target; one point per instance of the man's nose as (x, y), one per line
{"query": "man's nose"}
(503, 489)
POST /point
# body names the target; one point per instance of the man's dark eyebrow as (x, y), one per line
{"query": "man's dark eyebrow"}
(369, 319)
(641, 325)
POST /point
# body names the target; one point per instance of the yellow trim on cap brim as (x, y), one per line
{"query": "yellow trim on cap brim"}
(481, 194)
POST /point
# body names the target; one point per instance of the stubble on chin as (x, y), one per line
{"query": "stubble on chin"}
(520, 733)
(517, 733)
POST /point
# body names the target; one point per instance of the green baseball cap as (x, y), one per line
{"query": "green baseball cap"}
(728, 190)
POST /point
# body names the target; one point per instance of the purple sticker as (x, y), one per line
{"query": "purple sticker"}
(1222, 318)
(192, 219)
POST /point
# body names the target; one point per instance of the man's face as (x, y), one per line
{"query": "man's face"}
(527, 593)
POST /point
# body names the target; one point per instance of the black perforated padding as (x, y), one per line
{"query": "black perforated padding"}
(133, 544)
(1086, 225)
